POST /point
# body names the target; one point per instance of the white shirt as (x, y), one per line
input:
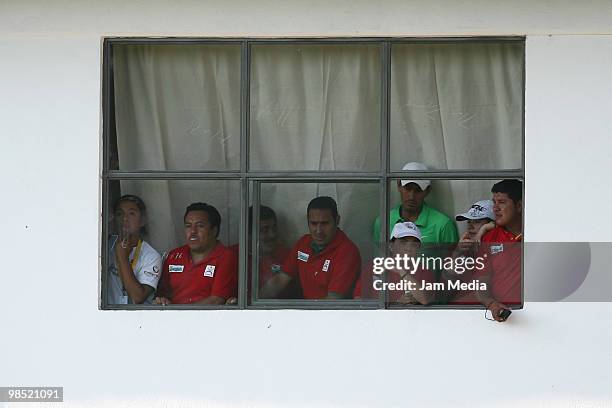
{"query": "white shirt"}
(147, 271)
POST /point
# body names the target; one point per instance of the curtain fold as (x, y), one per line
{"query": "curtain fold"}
(313, 107)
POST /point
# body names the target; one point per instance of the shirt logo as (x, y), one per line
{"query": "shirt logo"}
(154, 272)
(176, 268)
(302, 256)
(209, 271)
(326, 265)
(495, 249)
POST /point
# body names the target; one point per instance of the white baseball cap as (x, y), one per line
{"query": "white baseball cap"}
(416, 166)
(406, 229)
(479, 210)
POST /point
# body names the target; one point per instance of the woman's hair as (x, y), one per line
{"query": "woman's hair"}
(141, 206)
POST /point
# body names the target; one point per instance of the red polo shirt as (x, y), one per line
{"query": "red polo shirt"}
(268, 264)
(334, 269)
(182, 281)
(502, 252)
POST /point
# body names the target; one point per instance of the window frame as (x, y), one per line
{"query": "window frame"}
(250, 180)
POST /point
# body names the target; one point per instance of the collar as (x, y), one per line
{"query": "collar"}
(338, 239)
(217, 250)
(423, 217)
(512, 237)
(316, 249)
(501, 234)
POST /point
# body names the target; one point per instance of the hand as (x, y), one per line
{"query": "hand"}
(496, 307)
(161, 300)
(123, 247)
(232, 301)
(466, 244)
(483, 230)
(407, 298)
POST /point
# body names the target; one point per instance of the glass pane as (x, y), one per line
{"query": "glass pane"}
(177, 107)
(447, 223)
(457, 106)
(182, 258)
(315, 107)
(319, 255)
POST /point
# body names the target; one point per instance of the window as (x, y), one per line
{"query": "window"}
(253, 125)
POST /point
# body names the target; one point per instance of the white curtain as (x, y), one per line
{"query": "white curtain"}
(313, 107)
(457, 106)
(178, 108)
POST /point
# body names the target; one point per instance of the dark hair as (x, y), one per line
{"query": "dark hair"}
(214, 218)
(323, 203)
(265, 213)
(139, 203)
(512, 187)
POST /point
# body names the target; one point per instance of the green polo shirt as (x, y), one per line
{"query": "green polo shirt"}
(436, 228)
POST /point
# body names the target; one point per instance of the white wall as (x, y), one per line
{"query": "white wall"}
(52, 333)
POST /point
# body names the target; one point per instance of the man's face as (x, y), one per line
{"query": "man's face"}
(128, 218)
(267, 235)
(322, 226)
(412, 196)
(199, 234)
(473, 226)
(405, 246)
(505, 209)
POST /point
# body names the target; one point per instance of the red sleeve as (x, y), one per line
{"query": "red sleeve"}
(483, 255)
(225, 284)
(290, 266)
(163, 287)
(235, 249)
(282, 254)
(345, 273)
(363, 286)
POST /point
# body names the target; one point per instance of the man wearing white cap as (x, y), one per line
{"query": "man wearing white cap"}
(479, 215)
(479, 219)
(435, 227)
(405, 240)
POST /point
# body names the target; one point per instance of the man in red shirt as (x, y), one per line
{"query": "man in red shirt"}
(203, 271)
(272, 253)
(326, 261)
(501, 248)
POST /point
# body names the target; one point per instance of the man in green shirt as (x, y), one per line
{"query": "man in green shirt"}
(435, 227)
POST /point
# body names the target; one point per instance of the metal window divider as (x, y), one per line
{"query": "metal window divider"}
(246, 177)
(255, 242)
(244, 181)
(384, 141)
